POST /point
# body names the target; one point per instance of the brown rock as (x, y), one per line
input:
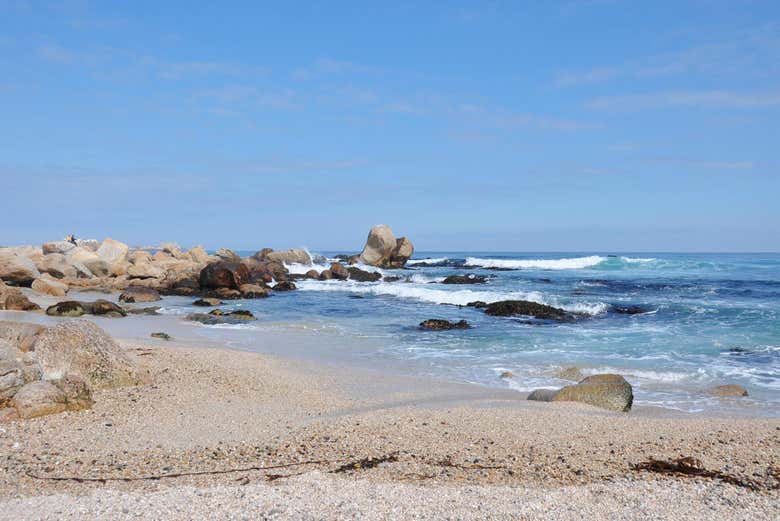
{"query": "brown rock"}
(134, 294)
(254, 291)
(312, 274)
(608, 391)
(49, 286)
(293, 256)
(77, 393)
(224, 275)
(16, 268)
(338, 271)
(39, 399)
(207, 302)
(284, 286)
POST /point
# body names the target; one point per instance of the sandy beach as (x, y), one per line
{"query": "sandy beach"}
(235, 435)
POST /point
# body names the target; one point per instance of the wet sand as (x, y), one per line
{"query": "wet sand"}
(226, 434)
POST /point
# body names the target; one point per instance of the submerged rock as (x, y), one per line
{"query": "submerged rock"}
(608, 391)
(507, 308)
(437, 324)
(468, 278)
(729, 390)
(161, 336)
(241, 314)
(151, 310)
(629, 310)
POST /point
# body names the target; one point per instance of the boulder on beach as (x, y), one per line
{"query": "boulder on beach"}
(608, 391)
(136, 294)
(16, 268)
(104, 307)
(437, 324)
(56, 265)
(223, 274)
(39, 399)
(221, 317)
(383, 250)
(508, 308)
(542, 395)
(468, 278)
(48, 285)
(12, 299)
(79, 347)
(729, 391)
(96, 265)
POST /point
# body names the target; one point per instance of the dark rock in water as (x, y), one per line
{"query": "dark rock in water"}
(284, 286)
(67, 308)
(542, 395)
(312, 274)
(608, 391)
(342, 257)
(207, 302)
(134, 294)
(468, 278)
(241, 314)
(508, 308)
(326, 275)
(356, 296)
(209, 319)
(729, 391)
(630, 310)
(338, 271)
(161, 336)
(104, 307)
(224, 274)
(392, 278)
(151, 310)
(477, 304)
(507, 375)
(362, 275)
(436, 324)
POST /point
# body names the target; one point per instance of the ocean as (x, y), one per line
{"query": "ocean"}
(697, 320)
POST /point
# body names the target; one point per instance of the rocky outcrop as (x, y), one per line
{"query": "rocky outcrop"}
(17, 268)
(436, 324)
(508, 308)
(198, 255)
(61, 247)
(607, 391)
(56, 265)
(136, 294)
(468, 278)
(224, 274)
(113, 252)
(729, 391)
(286, 285)
(79, 347)
(383, 250)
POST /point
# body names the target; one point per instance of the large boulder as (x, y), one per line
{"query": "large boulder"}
(359, 275)
(17, 268)
(383, 250)
(199, 255)
(47, 285)
(508, 308)
(79, 347)
(223, 274)
(62, 247)
(608, 391)
(292, 256)
(135, 294)
(338, 271)
(56, 265)
(39, 399)
(228, 255)
(94, 263)
(112, 251)
(145, 270)
(12, 299)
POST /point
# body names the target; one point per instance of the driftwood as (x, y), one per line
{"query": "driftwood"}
(691, 467)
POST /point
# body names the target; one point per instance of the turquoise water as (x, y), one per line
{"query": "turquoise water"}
(706, 319)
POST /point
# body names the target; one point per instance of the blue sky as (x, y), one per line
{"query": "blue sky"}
(528, 126)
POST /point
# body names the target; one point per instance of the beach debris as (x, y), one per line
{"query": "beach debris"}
(161, 335)
(729, 391)
(688, 466)
(437, 324)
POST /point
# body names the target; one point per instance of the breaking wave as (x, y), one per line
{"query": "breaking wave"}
(576, 263)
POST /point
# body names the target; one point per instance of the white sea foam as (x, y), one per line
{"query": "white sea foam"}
(440, 296)
(575, 263)
(637, 259)
(437, 260)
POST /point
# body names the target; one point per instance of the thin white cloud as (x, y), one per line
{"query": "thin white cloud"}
(700, 99)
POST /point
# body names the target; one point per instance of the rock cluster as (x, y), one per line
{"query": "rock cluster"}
(383, 250)
(47, 370)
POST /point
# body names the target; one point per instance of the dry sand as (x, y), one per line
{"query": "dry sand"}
(317, 442)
